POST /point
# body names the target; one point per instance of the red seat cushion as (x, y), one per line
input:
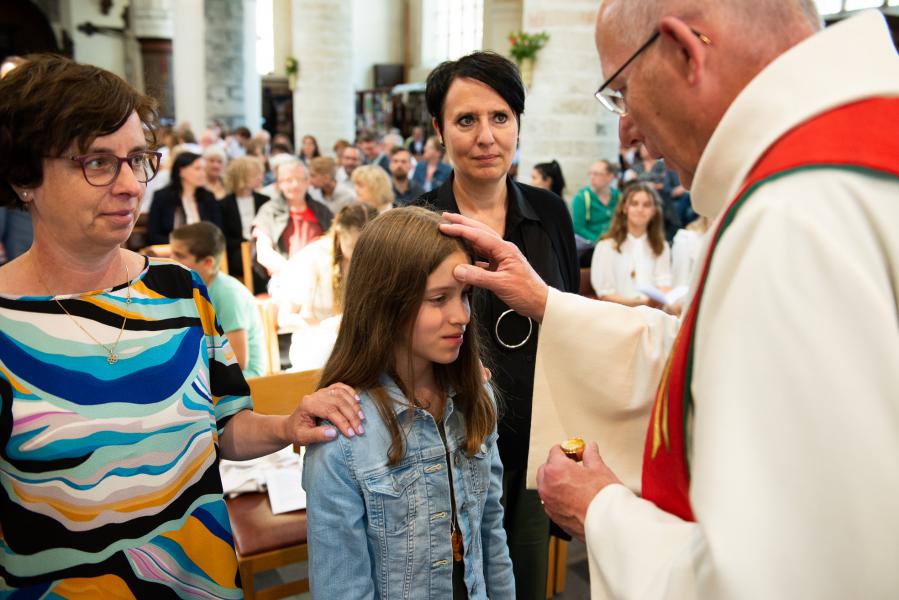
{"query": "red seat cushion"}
(257, 530)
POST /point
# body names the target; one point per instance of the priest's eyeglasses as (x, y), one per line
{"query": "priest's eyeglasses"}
(102, 168)
(613, 99)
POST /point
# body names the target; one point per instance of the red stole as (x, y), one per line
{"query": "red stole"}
(859, 136)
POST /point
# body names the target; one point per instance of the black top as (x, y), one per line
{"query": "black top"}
(537, 221)
(167, 201)
(232, 227)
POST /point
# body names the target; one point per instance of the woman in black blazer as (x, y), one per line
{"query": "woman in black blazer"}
(183, 201)
(242, 177)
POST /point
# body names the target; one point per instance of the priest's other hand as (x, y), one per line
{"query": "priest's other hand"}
(566, 487)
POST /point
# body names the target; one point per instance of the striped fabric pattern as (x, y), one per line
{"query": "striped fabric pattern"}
(109, 483)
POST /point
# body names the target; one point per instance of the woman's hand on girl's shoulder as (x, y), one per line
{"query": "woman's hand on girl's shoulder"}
(337, 403)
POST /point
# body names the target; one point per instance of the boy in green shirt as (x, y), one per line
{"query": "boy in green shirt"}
(200, 247)
(593, 206)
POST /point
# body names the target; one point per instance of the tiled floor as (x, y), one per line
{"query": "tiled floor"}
(577, 586)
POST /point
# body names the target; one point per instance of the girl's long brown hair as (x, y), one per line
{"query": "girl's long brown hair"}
(384, 290)
(654, 231)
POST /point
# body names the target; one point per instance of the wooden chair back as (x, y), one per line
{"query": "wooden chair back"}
(265, 541)
(246, 261)
(280, 394)
(268, 312)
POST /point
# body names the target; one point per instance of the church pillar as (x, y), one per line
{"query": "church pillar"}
(189, 58)
(562, 120)
(324, 99)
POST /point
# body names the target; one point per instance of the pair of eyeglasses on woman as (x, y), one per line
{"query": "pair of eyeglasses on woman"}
(102, 168)
(613, 99)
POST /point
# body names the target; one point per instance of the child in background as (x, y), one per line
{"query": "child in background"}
(412, 508)
(633, 255)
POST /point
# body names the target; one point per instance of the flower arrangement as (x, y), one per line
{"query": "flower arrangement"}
(292, 66)
(526, 45)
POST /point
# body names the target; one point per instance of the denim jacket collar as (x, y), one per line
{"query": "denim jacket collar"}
(401, 403)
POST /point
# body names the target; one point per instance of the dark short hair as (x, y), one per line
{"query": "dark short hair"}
(51, 102)
(202, 239)
(281, 147)
(366, 136)
(182, 160)
(242, 132)
(397, 149)
(489, 68)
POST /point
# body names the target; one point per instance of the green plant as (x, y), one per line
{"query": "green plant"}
(291, 65)
(526, 45)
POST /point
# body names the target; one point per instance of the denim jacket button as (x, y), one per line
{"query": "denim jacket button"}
(458, 460)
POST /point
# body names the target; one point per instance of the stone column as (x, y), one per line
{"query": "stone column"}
(562, 119)
(189, 57)
(225, 62)
(324, 99)
(252, 81)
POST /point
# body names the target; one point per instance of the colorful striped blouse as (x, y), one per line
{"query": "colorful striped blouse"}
(109, 481)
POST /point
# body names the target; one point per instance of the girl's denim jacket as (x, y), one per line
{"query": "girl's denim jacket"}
(383, 531)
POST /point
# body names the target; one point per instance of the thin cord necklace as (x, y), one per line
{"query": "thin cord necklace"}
(111, 356)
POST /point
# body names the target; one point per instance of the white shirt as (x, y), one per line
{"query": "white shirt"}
(307, 282)
(246, 206)
(626, 271)
(191, 212)
(795, 381)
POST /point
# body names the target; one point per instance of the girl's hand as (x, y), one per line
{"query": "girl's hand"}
(338, 403)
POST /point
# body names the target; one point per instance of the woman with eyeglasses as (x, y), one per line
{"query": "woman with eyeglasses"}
(476, 104)
(118, 390)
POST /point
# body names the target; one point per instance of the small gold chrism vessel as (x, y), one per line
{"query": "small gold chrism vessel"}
(574, 449)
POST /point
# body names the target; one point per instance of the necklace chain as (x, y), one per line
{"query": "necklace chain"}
(111, 356)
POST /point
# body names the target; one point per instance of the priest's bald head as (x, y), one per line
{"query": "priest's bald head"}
(671, 68)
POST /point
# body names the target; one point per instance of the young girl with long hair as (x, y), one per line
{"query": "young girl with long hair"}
(633, 255)
(411, 508)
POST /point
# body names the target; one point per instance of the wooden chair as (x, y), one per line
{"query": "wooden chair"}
(558, 566)
(160, 250)
(263, 540)
(268, 312)
(246, 260)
